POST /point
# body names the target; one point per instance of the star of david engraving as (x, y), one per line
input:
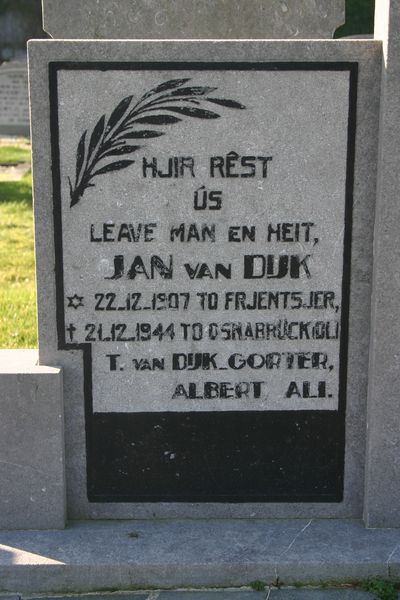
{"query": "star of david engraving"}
(75, 301)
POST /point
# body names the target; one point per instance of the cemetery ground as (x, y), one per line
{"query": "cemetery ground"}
(374, 590)
(17, 281)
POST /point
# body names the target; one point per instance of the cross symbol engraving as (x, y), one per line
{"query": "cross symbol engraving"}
(71, 329)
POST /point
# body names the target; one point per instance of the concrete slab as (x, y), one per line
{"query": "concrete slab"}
(104, 555)
(212, 595)
(225, 594)
(339, 594)
(353, 551)
(394, 563)
(280, 594)
(111, 596)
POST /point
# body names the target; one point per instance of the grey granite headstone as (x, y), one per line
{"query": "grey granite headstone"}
(14, 109)
(201, 306)
(192, 19)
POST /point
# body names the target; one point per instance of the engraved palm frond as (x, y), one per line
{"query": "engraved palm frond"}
(118, 136)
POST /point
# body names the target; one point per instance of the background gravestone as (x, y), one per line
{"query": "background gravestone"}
(192, 19)
(20, 20)
(14, 108)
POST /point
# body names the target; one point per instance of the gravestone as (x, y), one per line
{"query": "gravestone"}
(207, 290)
(14, 105)
(19, 22)
(191, 19)
(203, 269)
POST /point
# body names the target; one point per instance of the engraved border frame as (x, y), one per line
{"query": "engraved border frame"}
(352, 68)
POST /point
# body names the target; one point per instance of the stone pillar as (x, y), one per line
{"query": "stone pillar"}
(32, 480)
(382, 498)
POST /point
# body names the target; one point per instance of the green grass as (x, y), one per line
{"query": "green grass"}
(17, 280)
(258, 586)
(11, 155)
(382, 589)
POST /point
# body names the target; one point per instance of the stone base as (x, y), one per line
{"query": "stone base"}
(104, 555)
(32, 487)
